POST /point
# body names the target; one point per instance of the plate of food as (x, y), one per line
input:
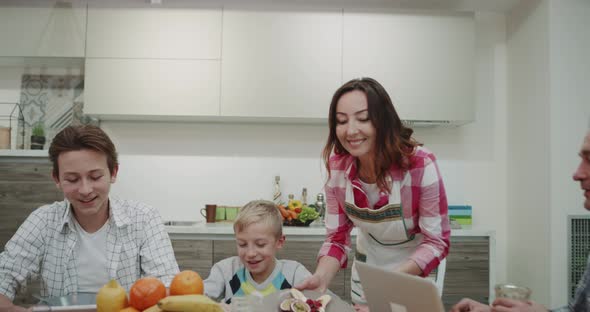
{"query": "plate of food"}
(293, 300)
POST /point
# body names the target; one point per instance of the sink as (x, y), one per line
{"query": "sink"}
(181, 223)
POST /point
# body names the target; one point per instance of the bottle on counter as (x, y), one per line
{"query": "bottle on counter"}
(320, 204)
(304, 196)
(291, 198)
(277, 195)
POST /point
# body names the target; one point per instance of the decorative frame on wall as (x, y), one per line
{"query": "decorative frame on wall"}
(56, 101)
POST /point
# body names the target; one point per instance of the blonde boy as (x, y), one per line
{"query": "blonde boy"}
(259, 235)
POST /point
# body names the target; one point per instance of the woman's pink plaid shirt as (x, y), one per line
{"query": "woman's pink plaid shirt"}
(423, 199)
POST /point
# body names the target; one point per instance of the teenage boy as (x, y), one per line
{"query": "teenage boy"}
(581, 300)
(255, 271)
(80, 243)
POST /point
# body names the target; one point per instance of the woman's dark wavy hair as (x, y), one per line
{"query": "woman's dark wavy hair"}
(393, 142)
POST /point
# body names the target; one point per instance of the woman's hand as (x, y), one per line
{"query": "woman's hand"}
(469, 305)
(314, 282)
(409, 267)
(510, 305)
(361, 308)
(324, 273)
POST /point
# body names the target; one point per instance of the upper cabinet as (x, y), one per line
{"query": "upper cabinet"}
(424, 61)
(154, 33)
(36, 31)
(153, 62)
(280, 63)
(148, 88)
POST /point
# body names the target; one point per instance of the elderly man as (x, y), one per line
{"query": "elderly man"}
(79, 244)
(581, 302)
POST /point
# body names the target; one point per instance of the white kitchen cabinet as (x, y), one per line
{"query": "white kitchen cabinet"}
(148, 88)
(424, 61)
(280, 63)
(38, 31)
(154, 32)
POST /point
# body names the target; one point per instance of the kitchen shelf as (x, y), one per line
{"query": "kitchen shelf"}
(24, 153)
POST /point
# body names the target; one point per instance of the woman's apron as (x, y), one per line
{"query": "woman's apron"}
(382, 239)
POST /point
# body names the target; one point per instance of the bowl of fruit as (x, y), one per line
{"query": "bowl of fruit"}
(149, 294)
(298, 214)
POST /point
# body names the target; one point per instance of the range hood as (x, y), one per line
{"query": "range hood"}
(434, 123)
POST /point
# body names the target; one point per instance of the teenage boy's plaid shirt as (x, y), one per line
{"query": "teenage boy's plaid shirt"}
(137, 246)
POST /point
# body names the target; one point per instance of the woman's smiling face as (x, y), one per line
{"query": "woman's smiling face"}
(354, 129)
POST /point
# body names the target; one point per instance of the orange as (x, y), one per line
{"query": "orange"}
(146, 292)
(186, 283)
(130, 309)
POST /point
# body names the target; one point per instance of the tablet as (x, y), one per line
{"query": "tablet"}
(398, 292)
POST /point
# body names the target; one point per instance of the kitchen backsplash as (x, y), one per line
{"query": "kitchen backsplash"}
(180, 167)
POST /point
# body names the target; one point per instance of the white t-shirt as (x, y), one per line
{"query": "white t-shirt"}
(92, 262)
(373, 192)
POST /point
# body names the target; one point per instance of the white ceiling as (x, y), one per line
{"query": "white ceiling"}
(500, 6)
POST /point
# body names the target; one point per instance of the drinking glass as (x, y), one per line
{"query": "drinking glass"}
(511, 291)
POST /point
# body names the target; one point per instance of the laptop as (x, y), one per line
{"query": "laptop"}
(388, 291)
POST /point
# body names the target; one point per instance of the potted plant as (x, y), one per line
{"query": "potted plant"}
(38, 136)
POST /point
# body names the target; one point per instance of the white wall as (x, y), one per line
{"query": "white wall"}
(180, 167)
(473, 157)
(570, 116)
(548, 114)
(528, 177)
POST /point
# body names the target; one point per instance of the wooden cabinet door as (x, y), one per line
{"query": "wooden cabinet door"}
(196, 255)
(24, 187)
(468, 270)
(224, 249)
(280, 63)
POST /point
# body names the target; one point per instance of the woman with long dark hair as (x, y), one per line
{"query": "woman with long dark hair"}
(383, 182)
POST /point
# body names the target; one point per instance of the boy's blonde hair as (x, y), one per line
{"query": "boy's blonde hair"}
(260, 211)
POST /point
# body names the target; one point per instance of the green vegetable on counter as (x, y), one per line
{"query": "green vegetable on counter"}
(307, 214)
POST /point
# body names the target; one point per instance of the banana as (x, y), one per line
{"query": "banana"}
(189, 303)
(153, 308)
(295, 293)
(324, 300)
